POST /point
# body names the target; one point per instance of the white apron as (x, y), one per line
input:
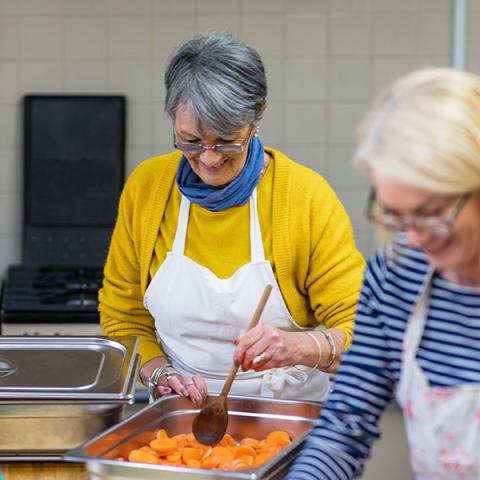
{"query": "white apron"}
(198, 316)
(443, 424)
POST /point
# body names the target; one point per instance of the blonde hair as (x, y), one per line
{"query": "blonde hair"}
(424, 131)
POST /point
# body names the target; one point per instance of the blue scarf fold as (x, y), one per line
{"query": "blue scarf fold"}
(235, 193)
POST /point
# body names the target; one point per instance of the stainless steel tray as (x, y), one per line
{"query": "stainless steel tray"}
(58, 392)
(248, 417)
(65, 368)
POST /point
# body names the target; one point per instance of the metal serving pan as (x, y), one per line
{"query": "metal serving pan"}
(58, 392)
(248, 417)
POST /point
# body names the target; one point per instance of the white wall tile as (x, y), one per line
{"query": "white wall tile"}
(365, 243)
(85, 38)
(349, 79)
(435, 34)
(9, 80)
(306, 79)
(395, 34)
(272, 124)
(9, 126)
(306, 36)
(86, 76)
(275, 78)
(9, 7)
(386, 70)
(10, 250)
(158, 86)
(11, 209)
(394, 6)
(41, 77)
(129, 37)
(445, 6)
(305, 123)
(217, 23)
(40, 7)
(343, 119)
(40, 38)
(350, 35)
(177, 6)
(131, 78)
(264, 32)
(218, 6)
(10, 171)
(262, 6)
(306, 6)
(354, 202)
(9, 38)
(350, 6)
(342, 173)
(473, 34)
(166, 34)
(311, 157)
(139, 125)
(84, 7)
(162, 129)
(128, 7)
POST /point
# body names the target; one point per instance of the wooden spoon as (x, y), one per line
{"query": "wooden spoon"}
(210, 424)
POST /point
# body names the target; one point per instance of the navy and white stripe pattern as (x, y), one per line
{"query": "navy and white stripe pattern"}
(449, 355)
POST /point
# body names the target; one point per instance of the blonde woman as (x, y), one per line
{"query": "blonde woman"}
(417, 332)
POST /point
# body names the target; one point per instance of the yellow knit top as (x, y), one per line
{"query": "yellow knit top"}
(306, 235)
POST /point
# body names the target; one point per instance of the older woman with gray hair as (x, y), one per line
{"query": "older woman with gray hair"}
(202, 231)
(417, 330)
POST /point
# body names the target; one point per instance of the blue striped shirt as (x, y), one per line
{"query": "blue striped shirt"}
(449, 354)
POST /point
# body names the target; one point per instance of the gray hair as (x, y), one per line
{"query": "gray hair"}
(220, 80)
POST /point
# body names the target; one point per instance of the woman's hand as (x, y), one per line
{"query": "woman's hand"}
(194, 387)
(264, 347)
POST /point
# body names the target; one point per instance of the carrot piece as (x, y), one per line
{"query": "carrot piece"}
(250, 442)
(239, 464)
(162, 433)
(192, 463)
(190, 453)
(227, 441)
(244, 450)
(164, 446)
(262, 458)
(174, 457)
(142, 457)
(273, 438)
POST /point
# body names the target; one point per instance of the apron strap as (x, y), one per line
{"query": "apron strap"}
(178, 246)
(257, 254)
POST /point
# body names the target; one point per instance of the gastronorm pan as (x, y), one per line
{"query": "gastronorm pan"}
(57, 392)
(248, 417)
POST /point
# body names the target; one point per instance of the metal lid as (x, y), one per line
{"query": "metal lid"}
(66, 368)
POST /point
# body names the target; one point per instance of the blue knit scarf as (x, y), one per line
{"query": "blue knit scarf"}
(235, 193)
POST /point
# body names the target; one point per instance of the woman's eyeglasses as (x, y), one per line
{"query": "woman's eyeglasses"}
(191, 148)
(435, 225)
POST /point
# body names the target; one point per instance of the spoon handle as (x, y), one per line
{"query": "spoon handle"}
(253, 323)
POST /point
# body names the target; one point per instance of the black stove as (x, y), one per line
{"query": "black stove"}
(73, 168)
(52, 293)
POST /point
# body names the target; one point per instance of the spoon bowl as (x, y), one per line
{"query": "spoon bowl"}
(210, 424)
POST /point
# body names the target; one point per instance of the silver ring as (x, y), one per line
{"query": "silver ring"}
(260, 358)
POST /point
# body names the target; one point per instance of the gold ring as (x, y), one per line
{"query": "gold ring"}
(260, 358)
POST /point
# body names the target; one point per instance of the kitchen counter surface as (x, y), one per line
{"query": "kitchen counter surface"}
(43, 471)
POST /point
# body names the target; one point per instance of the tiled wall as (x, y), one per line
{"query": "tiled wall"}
(325, 61)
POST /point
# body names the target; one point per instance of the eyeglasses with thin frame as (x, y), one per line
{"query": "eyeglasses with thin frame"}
(435, 225)
(191, 148)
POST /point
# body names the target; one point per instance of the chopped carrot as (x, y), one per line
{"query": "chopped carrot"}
(163, 446)
(142, 457)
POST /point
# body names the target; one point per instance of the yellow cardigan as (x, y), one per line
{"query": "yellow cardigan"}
(316, 263)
